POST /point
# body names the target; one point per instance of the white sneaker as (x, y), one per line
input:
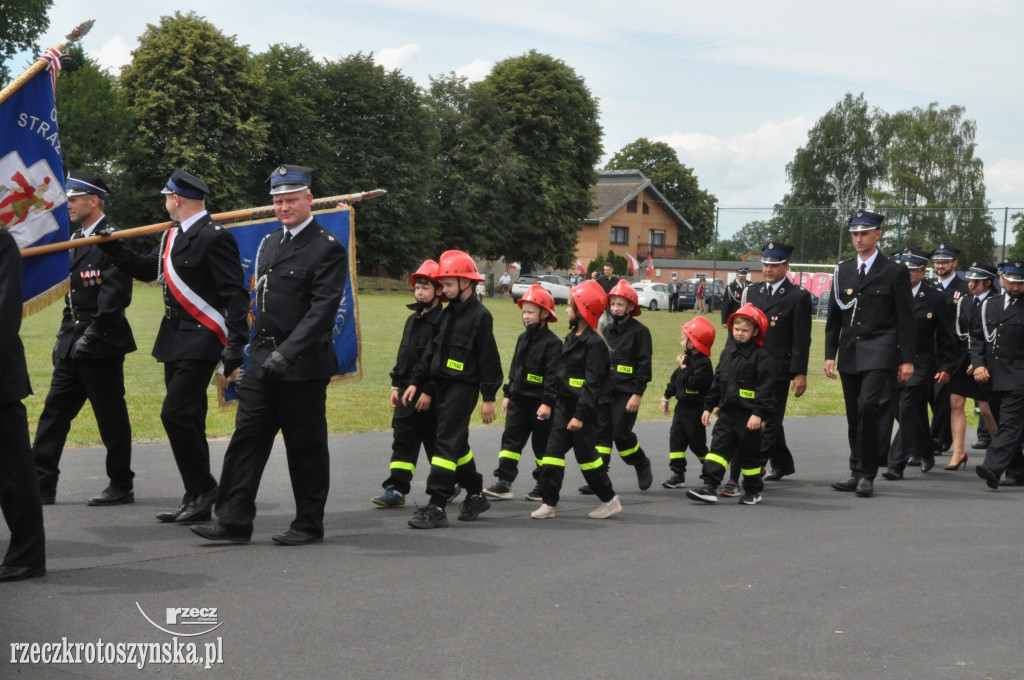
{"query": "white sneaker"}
(606, 510)
(545, 511)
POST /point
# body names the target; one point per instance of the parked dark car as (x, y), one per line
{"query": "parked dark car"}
(712, 296)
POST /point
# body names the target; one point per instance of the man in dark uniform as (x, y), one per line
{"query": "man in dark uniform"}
(19, 491)
(935, 354)
(788, 340)
(953, 287)
(870, 327)
(88, 358)
(205, 307)
(300, 279)
(733, 294)
(608, 279)
(997, 354)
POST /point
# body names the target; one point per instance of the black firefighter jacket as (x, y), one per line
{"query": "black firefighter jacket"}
(532, 372)
(1003, 354)
(743, 381)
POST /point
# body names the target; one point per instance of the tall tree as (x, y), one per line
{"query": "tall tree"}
(533, 126)
(193, 94)
(23, 22)
(659, 162)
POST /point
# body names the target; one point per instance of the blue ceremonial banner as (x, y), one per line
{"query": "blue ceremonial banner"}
(346, 323)
(33, 205)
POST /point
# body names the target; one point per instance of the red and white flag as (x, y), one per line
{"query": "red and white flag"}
(515, 266)
(633, 264)
(579, 268)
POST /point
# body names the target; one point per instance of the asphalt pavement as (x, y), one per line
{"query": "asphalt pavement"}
(920, 581)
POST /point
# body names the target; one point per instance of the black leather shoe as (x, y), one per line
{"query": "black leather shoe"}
(892, 474)
(215, 532)
(21, 573)
(776, 475)
(644, 476)
(914, 461)
(927, 463)
(172, 515)
(112, 496)
(990, 477)
(295, 537)
(199, 509)
(848, 484)
(980, 445)
(865, 489)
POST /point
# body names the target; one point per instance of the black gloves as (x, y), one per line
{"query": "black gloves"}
(111, 247)
(85, 344)
(232, 357)
(276, 366)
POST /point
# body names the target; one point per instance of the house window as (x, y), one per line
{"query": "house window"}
(620, 235)
(631, 206)
(647, 208)
(657, 237)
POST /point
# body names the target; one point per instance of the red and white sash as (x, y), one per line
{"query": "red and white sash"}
(199, 308)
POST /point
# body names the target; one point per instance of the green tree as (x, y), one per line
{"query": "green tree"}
(190, 91)
(1016, 251)
(24, 21)
(659, 162)
(752, 236)
(535, 140)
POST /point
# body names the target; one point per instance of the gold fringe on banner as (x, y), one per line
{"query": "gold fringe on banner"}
(44, 299)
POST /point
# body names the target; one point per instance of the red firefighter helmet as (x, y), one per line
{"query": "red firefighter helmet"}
(539, 295)
(701, 333)
(624, 290)
(590, 300)
(427, 270)
(459, 264)
(749, 311)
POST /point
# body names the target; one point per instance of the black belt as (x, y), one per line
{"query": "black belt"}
(78, 315)
(176, 313)
(273, 343)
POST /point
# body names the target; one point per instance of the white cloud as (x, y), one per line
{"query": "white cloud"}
(478, 69)
(113, 55)
(392, 58)
(1005, 178)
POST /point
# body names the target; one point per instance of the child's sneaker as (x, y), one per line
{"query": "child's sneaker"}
(390, 498)
(429, 517)
(472, 507)
(606, 510)
(750, 498)
(534, 494)
(675, 482)
(501, 490)
(731, 489)
(545, 511)
(705, 494)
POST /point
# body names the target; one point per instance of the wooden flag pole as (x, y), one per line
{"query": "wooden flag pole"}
(227, 219)
(40, 63)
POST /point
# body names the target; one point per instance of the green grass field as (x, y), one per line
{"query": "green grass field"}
(362, 406)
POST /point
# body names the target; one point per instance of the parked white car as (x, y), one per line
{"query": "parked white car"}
(556, 285)
(653, 296)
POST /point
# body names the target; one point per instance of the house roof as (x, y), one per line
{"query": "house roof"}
(616, 188)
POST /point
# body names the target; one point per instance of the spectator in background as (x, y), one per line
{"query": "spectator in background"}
(673, 293)
(698, 305)
(506, 284)
(481, 290)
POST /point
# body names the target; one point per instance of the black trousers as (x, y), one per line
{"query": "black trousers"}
(412, 429)
(914, 436)
(298, 411)
(1004, 451)
(19, 491)
(773, 438)
(452, 462)
(941, 428)
(730, 439)
(864, 394)
(101, 381)
(552, 469)
(687, 432)
(184, 418)
(522, 425)
(615, 425)
(673, 302)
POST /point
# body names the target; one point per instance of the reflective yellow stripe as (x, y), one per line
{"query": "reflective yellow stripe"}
(701, 458)
(465, 459)
(604, 450)
(629, 452)
(455, 365)
(509, 454)
(751, 472)
(576, 382)
(592, 464)
(673, 455)
(547, 460)
(624, 369)
(530, 377)
(715, 458)
(538, 461)
(747, 394)
(693, 391)
(443, 462)
(399, 465)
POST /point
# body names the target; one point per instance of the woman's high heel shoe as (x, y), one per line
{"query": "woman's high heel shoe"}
(962, 463)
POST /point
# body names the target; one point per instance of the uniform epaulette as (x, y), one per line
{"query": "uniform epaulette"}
(326, 235)
(849, 259)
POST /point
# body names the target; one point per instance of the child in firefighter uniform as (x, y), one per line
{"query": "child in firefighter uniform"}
(689, 384)
(412, 427)
(628, 375)
(742, 392)
(531, 385)
(460, 362)
(581, 372)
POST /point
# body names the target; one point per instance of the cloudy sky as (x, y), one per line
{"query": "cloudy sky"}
(733, 86)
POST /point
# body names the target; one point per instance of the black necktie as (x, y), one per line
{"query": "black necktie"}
(287, 236)
(977, 301)
(863, 270)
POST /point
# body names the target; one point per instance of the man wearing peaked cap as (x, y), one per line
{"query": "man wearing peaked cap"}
(945, 260)
(870, 329)
(934, 359)
(733, 294)
(205, 307)
(997, 355)
(88, 357)
(300, 279)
